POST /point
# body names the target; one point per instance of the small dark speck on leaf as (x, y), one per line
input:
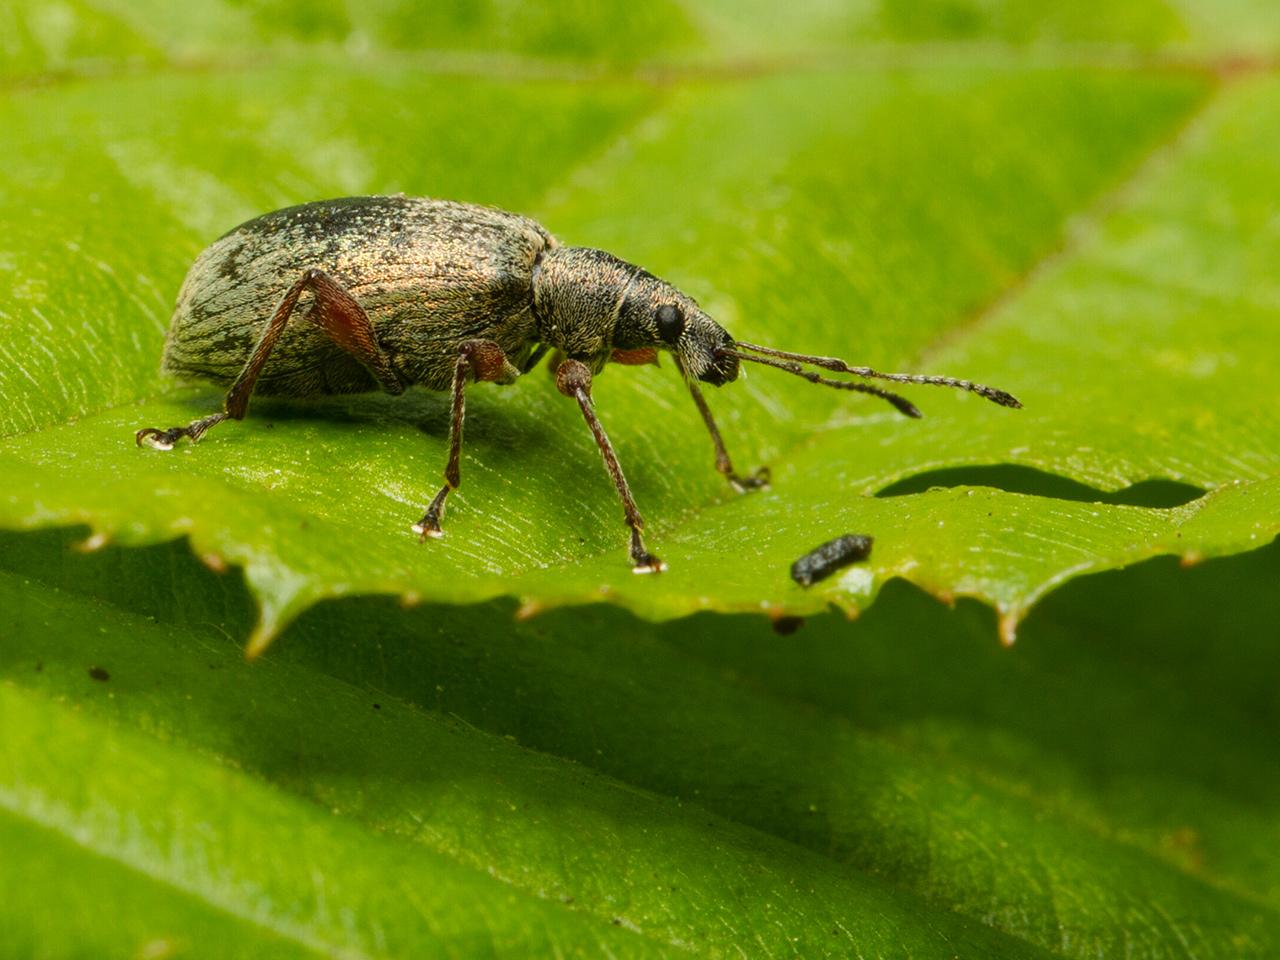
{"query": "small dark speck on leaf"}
(823, 561)
(98, 673)
(39, 666)
(617, 921)
(377, 706)
(786, 626)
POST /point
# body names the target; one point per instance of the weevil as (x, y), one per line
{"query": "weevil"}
(397, 291)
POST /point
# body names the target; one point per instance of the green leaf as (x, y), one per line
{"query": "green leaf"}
(1070, 201)
(951, 183)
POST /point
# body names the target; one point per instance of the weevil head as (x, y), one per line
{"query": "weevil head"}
(656, 314)
(590, 304)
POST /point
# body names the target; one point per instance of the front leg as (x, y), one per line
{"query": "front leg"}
(480, 360)
(723, 464)
(573, 379)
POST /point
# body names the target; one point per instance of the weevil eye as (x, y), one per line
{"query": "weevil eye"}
(670, 322)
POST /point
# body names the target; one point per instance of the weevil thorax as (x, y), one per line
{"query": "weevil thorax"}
(589, 304)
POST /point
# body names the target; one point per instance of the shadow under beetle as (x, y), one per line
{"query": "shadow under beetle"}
(402, 290)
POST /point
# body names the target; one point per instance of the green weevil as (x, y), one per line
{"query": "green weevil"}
(399, 291)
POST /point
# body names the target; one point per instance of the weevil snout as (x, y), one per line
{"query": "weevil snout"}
(723, 368)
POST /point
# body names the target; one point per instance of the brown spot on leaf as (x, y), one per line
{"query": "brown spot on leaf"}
(786, 626)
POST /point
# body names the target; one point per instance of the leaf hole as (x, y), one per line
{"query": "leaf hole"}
(1159, 494)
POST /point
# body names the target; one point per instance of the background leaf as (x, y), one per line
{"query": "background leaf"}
(852, 782)
(1068, 202)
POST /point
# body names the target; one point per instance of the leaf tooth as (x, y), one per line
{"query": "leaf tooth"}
(1010, 618)
(282, 595)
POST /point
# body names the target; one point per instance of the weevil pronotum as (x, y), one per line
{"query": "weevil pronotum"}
(398, 291)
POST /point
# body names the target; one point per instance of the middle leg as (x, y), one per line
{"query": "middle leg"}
(481, 360)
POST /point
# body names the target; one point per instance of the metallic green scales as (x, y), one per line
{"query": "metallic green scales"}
(429, 274)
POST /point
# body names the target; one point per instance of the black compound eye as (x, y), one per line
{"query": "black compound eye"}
(670, 322)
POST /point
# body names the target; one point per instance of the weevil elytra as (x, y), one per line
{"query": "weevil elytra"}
(399, 291)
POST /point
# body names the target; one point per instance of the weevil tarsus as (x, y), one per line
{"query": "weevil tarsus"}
(165, 439)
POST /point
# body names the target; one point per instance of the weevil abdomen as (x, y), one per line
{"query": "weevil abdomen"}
(429, 274)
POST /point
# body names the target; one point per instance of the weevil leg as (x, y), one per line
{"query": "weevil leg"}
(539, 352)
(482, 360)
(723, 464)
(335, 312)
(573, 379)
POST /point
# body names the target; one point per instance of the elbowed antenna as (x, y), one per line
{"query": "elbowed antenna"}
(903, 405)
(791, 363)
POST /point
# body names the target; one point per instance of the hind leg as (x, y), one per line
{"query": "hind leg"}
(334, 311)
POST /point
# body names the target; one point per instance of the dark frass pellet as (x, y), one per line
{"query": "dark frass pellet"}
(401, 291)
(822, 562)
(786, 626)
